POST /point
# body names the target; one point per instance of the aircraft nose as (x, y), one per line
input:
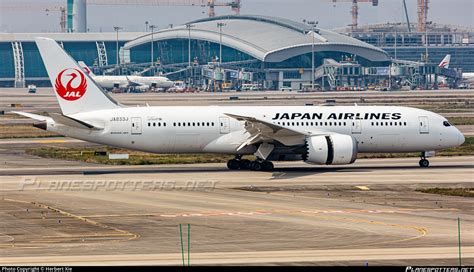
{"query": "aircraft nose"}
(461, 138)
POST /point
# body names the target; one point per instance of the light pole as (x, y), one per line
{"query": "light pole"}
(189, 26)
(146, 26)
(220, 25)
(152, 27)
(117, 28)
(426, 41)
(396, 36)
(313, 24)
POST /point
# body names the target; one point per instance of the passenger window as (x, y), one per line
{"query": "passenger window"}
(154, 124)
(212, 123)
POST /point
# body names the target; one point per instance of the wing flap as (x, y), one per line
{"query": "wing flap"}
(263, 131)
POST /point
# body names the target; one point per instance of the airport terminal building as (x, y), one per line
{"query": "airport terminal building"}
(274, 52)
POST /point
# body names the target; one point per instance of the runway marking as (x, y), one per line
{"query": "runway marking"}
(264, 212)
(51, 141)
(121, 233)
(421, 230)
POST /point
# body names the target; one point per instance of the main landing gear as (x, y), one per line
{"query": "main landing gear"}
(243, 164)
(423, 161)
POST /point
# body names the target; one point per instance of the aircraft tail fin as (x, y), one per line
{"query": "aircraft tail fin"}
(445, 62)
(75, 90)
(86, 68)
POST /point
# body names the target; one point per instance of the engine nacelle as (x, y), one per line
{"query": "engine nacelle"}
(332, 149)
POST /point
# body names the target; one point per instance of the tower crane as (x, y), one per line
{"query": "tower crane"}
(422, 12)
(355, 9)
(66, 14)
(37, 7)
(211, 4)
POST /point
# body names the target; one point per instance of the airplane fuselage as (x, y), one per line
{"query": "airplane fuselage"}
(110, 82)
(210, 130)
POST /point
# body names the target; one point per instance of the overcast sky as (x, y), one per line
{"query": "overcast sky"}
(330, 15)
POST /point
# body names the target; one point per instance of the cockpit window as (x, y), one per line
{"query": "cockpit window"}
(446, 124)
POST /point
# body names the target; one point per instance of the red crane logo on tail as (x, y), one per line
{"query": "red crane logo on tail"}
(69, 92)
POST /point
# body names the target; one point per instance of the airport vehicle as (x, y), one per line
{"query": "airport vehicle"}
(31, 88)
(323, 135)
(124, 82)
(468, 78)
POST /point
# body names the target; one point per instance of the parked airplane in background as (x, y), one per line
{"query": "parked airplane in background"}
(124, 82)
(466, 77)
(445, 62)
(314, 134)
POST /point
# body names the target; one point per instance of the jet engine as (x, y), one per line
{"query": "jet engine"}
(333, 149)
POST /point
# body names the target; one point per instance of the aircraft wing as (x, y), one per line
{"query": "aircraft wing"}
(132, 83)
(264, 131)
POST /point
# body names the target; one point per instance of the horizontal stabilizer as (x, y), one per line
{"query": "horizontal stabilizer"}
(69, 121)
(33, 116)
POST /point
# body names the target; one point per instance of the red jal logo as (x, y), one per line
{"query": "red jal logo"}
(69, 92)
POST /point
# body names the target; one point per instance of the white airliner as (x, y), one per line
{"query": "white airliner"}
(466, 77)
(445, 62)
(317, 135)
(139, 82)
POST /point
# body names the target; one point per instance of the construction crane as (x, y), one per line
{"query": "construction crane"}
(355, 10)
(37, 7)
(211, 4)
(422, 15)
(78, 19)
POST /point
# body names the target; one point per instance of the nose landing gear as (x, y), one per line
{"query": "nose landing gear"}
(423, 161)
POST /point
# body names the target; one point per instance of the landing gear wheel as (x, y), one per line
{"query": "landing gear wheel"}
(245, 164)
(424, 163)
(256, 166)
(267, 166)
(233, 164)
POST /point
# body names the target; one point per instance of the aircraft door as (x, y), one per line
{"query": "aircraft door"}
(136, 126)
(424, 125)
(356, 127)
(224, 125)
